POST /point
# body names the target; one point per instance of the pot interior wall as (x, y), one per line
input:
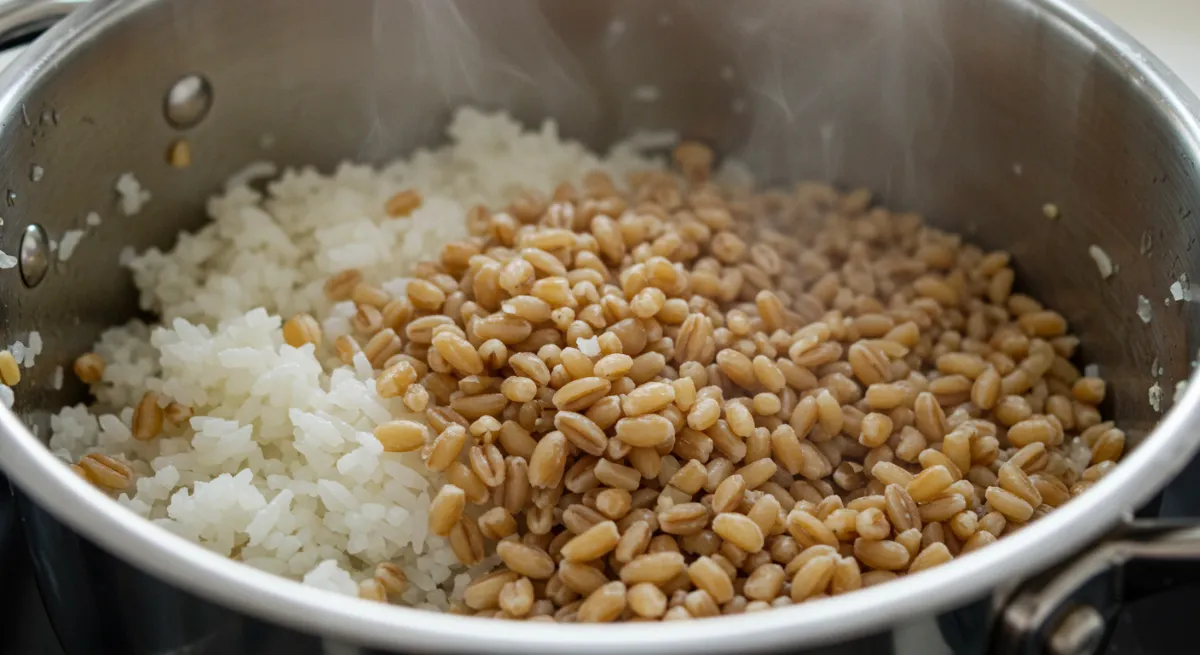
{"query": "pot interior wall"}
(974, 113)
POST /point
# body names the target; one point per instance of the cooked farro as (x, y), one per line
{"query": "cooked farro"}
(680, 400)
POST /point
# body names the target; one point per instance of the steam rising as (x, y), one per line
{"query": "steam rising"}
(493, 55)
(852, 91)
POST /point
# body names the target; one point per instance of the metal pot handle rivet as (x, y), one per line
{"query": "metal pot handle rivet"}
(1080, 633)
(1070, 610)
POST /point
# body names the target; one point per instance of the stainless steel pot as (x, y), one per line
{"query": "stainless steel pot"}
(975, 113)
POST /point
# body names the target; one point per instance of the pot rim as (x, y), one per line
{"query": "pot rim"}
(216, 578)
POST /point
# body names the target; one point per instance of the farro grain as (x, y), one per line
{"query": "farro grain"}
(829, 412)
(719, 346)
(106, 472)
(648, 430)
(808, 530)
(580, 518)
(690, 477)
(463, 477)
(646, 600)
(872, 578)
(1109, 446)
(416, 398)
(884, 555)
(595, 542)
(964, 524)
(526, 560)
(516, 598)
(297, 331)
(700, 604)
(88, 367)
(889, 473)
(930, 458)
(548, 461)
(706, 574)
(581, 432)
(929, 557)
(446, 447)
(341, 285)
(446, 509)
(487, 462)
(978, 540)
(484, 592)
(942, 509)
(617, 475)
(497, 523)
(757, 473)
(902, 510)
(872, 524)
(1014, 480)
(403, 203)
(739, 530)
(875, 430)
(1013, 507)
(614, 503)
(654, 567)
(147, 417)
(767, 513)
(401, 436)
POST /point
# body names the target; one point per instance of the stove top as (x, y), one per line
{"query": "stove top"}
(24, 625)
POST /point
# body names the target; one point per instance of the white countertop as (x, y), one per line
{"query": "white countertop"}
(1169, 28)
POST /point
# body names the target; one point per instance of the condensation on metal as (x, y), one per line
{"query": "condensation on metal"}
(187, 101)
(34, 255)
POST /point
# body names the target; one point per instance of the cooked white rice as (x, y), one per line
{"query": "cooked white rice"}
(70, 241)
(131, 194)
(279, 467)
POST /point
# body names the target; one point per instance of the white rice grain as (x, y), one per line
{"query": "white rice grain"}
(1181, 289)
(1103, 261)
(1144, 311)
(278, 464)
(258, 170)
(70, 241)
(131, 194)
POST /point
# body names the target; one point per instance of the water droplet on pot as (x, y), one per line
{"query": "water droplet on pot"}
(36, 172)
(34, 255)
(187, 101)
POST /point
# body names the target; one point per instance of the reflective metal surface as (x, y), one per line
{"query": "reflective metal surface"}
(1072, 611)
(975, 113)
(34, 254)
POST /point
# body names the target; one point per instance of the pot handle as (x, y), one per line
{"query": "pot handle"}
(1071, 611)
(23, 20)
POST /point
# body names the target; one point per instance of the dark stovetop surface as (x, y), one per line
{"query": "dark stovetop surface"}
(1159, 625)
(24, 626)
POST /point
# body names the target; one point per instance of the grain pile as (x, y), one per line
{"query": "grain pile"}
(684, 411)
(665, 399)
(265, 452)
